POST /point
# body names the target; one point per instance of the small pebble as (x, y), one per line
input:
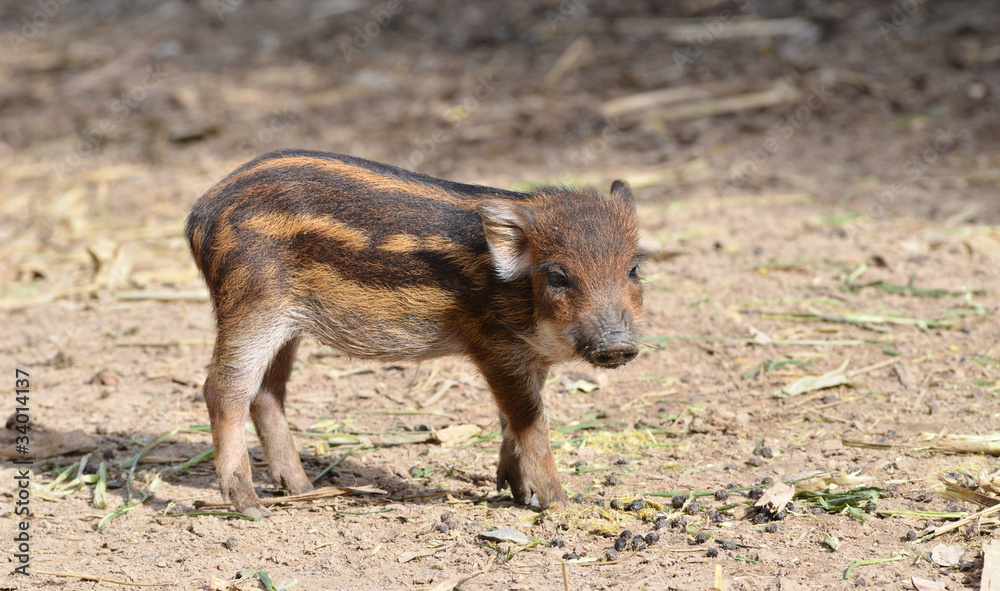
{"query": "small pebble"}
(610, 480)
(715, 516)
(721, 494)
(579, 463)
(755, 493)
(443, 528)
(652, 538)
(638, 543)
(626, 535)
(911, 535)
(611, 554)
(700, 538)
(818, 511)
(729, 545)
(616, 504)
(637, 505)
(692, 509)
(661, 523)
(600, 503)
(578, 498)
(678, 501)
(712, 553)
(680, 522)
(570, 556)
(755, 461)
(621, 462)
(771, 527)
(765, 480)
(620, 544)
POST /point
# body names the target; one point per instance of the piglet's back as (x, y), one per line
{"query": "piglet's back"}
(376, 223)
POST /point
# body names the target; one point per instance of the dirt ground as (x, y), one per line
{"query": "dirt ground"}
(820, 192)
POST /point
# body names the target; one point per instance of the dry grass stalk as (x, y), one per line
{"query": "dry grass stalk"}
(968, 495)
(961, 522)
(327, 492)
(667, 96)
(195, 295)
(98, 579)
(572, 58)
(779, 93)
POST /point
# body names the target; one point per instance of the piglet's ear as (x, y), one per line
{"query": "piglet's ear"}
(622, 191)
(506, 225)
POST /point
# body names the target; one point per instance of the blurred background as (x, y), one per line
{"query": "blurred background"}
(805, 171)
(117, 115)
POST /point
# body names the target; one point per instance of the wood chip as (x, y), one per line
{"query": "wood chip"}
(991, 566)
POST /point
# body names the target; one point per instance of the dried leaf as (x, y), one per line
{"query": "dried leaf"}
(776, 497)
(581, 386)
(408, 556)
(926, 584)
(944, 555)
(837, 377)
(456, 434)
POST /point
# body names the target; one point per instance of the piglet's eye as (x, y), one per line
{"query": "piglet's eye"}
(633, 273)
(558, 279)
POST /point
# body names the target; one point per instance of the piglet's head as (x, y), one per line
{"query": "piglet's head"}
(579, 250)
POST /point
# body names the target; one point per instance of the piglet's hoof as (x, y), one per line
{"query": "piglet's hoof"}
(245, 501)
(528, 473)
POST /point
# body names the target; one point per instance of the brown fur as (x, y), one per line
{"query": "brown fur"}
(383, 263)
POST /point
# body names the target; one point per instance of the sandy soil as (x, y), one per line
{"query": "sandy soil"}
(868, 187)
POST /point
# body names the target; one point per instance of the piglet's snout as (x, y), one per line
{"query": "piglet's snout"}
(615, 343)
(616, 355)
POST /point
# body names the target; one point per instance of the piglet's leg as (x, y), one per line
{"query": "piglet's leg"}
(268, 412)
(235, 380)
(228, 413)
(526, 462)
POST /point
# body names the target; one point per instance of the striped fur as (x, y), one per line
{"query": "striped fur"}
(383, 263)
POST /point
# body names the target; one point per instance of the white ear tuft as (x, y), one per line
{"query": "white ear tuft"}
(505, 225)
